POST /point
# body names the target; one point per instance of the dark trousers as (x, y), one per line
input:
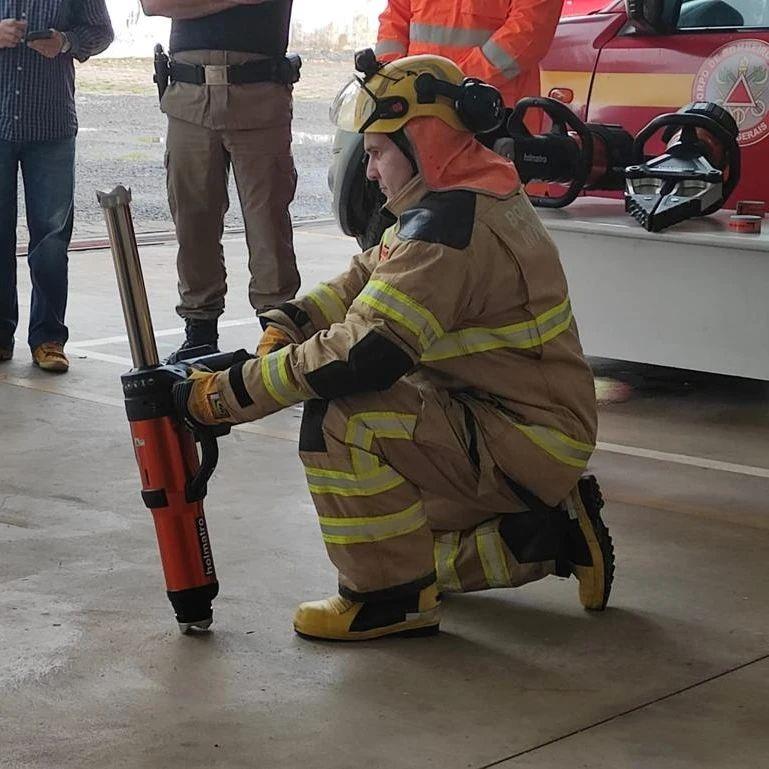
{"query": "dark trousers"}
(48, 170)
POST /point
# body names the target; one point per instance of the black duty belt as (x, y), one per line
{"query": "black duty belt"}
(284, 70)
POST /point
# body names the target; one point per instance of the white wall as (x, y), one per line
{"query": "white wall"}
(330, 25)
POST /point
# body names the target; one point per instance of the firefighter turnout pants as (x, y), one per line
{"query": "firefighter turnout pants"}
(403, 491)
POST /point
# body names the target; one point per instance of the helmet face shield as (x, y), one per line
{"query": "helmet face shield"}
(344, 108)
(386, 99)
(356, 107)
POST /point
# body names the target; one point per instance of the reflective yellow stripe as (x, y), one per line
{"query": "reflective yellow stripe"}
(402, 309)
(363, 461)
(520, 336)
(445, 551)
(559, 446)
(388, 235)
(351, 531)
(364, 427)
(274, 371)
(328, 302)
(355, 484)
(491, 551)
(368, 477)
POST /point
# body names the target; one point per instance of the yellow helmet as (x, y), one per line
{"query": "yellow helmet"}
(387, 97)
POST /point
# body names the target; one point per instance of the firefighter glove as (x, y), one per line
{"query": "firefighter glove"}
(199, 401)
(272, 340)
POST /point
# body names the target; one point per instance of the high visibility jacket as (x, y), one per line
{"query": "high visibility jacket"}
(465, 294)
(499, 41)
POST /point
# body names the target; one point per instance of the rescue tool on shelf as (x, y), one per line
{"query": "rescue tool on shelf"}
(695, 175)
(174, 478)
(580, 156)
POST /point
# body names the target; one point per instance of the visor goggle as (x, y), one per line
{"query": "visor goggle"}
(350, 112)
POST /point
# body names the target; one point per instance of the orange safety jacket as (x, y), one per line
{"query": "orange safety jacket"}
(499, 41)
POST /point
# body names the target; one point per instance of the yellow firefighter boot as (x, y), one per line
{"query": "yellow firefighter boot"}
(340, 619)
(590, 549)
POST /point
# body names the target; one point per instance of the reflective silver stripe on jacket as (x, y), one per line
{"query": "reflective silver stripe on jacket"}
(387, 47)
(437, 34)
(501, 59)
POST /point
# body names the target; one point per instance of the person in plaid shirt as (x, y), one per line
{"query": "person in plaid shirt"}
(38, 126)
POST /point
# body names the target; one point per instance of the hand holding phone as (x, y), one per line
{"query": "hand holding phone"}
(39, 34)
(48, 42)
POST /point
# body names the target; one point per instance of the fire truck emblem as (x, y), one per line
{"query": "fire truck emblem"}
(736, 76)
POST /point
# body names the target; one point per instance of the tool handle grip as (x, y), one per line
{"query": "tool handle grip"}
(563, 120)
(196, 487)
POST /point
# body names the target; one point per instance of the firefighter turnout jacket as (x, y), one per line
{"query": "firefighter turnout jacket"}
(464, 295)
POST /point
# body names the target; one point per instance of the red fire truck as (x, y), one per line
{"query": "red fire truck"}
(610, 71)
(695, 296)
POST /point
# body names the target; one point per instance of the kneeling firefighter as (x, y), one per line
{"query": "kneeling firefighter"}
(449, 411)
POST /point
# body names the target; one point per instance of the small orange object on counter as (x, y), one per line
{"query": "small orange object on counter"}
(745, 224)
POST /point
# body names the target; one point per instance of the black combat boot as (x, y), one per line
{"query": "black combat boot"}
(199, 333)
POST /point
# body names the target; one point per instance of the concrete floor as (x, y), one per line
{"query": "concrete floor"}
(94, 674)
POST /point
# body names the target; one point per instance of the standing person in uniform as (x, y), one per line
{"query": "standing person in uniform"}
(449, 412)
(498, 41)
(229, 103)
(38, 125)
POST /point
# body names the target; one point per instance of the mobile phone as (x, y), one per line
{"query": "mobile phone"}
(39, 34)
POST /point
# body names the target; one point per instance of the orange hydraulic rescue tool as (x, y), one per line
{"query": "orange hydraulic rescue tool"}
(173, 479)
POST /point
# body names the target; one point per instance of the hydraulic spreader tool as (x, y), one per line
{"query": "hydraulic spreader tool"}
(174, 477)
(694, 175)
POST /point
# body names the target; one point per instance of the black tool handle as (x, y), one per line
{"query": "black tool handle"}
(563, 120)
(677, 120)
(197, 486)
(692, 121)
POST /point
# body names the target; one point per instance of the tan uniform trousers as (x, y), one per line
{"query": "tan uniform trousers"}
(400, 496)
(210, 129)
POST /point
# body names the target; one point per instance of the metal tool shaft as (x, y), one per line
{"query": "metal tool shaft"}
(133, 295)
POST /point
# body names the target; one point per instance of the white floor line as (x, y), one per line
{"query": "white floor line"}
(165, 332)
(54, 388)
(327, 236)
(702, 463)
(684, 459)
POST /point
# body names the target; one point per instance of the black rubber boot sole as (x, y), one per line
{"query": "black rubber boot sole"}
(600, 545)
(417, 632)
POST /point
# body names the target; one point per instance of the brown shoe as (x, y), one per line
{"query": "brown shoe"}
(50, 357)
(6, 353)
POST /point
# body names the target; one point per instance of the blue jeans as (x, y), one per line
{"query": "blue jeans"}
(48, 170)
